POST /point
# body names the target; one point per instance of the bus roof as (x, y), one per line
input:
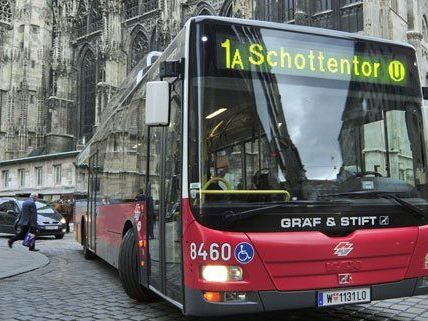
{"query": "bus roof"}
(299, 28)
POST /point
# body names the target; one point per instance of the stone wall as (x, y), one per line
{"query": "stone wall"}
(25, 46)
(39, 174)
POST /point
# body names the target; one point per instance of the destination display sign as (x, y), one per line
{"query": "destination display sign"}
(299, 58)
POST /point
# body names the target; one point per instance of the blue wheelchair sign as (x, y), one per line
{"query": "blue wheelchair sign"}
(244, 253)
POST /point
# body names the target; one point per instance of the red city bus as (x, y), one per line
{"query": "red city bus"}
(257, 166)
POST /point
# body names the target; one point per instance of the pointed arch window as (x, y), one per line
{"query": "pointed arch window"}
(81, 19)
(289, 10)
(425, 27)
(132, 8)
(229, 11)
(348, 2)
(139, 48)
(87, 94)
(149, 5)
(277, 11)
(5, 12)
(95, 16)
(205, 12)
(322, 5)
(232, 11)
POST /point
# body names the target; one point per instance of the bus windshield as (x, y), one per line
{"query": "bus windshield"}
(291, 117)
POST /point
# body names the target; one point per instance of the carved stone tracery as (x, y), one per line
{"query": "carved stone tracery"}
(95, 16)
(131, 8)
(5, 12)
(139, 48)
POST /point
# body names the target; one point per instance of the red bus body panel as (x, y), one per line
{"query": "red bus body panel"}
(111, 220)
(306, 260)
(292, 261)
(418, 260)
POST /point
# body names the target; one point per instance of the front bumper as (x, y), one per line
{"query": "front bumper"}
(264, 301)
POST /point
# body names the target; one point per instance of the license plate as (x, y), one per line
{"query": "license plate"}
(344, 296)
(51, 227)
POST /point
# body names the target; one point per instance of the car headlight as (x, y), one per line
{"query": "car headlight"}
(63, 221)
(221, 273)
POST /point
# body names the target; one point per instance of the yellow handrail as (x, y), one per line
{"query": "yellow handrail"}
(287, 195)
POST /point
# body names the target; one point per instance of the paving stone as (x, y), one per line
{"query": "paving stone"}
(416, 311)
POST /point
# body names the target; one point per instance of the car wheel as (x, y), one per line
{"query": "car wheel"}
(128, 269)
(59, 236)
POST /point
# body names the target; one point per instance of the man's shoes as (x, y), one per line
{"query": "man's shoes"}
(34, 250)
(9, 242)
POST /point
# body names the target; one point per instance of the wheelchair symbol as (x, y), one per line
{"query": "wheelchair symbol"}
(244, 252)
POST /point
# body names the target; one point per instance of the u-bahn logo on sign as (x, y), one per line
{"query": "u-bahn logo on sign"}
(396, 70)
(343, 248)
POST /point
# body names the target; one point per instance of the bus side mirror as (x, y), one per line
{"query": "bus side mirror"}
(425, 93)
(157, 103)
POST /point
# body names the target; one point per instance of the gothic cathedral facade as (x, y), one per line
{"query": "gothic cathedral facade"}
(62, 60)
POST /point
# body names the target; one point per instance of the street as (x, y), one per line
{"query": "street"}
(72, 288)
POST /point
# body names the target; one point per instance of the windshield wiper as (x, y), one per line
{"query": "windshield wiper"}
(416, 211)
(232, 217)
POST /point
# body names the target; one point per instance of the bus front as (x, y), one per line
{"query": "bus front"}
(307, 170)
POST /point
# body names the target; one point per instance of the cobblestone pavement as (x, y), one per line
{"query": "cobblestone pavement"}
(72, 288)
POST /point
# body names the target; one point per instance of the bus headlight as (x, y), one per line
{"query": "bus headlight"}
(221, 273)
(235, 273)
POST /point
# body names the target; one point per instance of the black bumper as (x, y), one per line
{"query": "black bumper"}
(264, 301)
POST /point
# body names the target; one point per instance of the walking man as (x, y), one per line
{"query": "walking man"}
(27, 221)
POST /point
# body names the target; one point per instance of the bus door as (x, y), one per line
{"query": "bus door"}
(164, 187)
(92, 198)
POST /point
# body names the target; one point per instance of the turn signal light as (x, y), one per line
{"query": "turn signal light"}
(426, 261)
(227, 297)
(213, 296)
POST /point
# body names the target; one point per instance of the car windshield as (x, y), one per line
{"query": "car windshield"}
(305, 121)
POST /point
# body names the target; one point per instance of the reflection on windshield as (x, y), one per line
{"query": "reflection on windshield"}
(306, 140)
(267, 134)
(317, 140)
